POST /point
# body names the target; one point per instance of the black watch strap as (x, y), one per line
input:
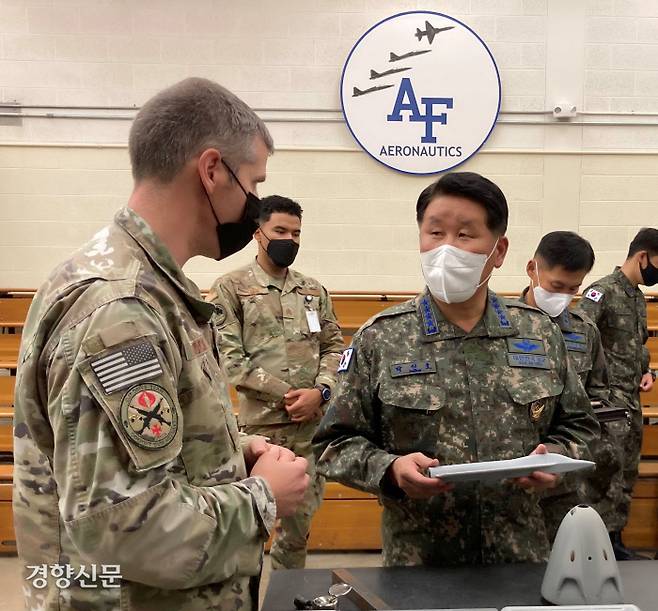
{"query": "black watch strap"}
(325, 391)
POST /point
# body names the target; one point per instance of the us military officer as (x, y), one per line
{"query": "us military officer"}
(455, 375)
(281, 345)
(556, 271)
(126, 450)
(617, 306)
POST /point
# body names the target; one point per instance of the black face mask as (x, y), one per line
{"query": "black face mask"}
(282, 252)
(233, 237)
(649, 273)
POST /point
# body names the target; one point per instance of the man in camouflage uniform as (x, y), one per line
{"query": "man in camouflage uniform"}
(556, 271)
(455, 375)
(126, 449)
(281, 345)
(617, 306)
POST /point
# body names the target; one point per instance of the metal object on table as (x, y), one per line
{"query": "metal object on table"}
(364, 598)
(328, 601)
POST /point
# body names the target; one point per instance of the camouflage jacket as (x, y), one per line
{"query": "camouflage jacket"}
(413, 382)
(126, 449)
(620, 312)
(267, 342)
(583, 341)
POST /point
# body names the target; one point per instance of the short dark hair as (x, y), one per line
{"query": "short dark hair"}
(278, 203)
(186, 118)
(474, 187)
(566, 249)
(646, 239)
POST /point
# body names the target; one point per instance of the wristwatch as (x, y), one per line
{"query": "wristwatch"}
(653, 374)
(325, 391)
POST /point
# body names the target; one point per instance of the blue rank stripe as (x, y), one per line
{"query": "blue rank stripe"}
(429, 321)
(500, 313)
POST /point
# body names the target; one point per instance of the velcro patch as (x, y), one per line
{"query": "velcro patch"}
(575, 346)
(412, 368)
(528, 360)
(149, 417)
(525, 345)
(594, 295)
(126, 367)
(572, 336)
(345, 360)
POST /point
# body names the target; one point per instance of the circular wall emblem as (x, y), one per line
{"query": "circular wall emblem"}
(420, 92)
(149, 416)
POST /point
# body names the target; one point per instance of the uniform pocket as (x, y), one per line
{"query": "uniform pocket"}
(411, 414)
(534, 398)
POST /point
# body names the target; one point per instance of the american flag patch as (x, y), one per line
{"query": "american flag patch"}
(127, 367)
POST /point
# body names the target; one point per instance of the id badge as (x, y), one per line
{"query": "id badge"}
(313, 321)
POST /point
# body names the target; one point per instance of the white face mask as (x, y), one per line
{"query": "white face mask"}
(452, 274)
(551, 303)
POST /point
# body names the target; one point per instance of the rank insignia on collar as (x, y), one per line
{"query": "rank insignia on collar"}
(429, 321)
(500, 313)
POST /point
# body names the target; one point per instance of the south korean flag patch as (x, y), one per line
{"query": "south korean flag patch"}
(594, 295)
(345, 360)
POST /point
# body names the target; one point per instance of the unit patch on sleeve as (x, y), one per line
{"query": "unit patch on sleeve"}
(149, 417)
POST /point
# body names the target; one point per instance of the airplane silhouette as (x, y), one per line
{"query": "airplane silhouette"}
(374, 75)
(357, 92)
(397, 58)
(431, 31)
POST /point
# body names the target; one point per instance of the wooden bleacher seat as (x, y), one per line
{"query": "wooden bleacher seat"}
(13, 312)
(6, 430)
(347, 520)
(7, 537)
(650, 399)
(7, 384)
(9, 348)
(642, 528)
(652, 344)
(652, 316)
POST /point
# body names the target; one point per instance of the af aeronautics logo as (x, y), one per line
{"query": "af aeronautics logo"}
(420, 92)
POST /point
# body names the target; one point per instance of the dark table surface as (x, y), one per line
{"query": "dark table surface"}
(493, 586)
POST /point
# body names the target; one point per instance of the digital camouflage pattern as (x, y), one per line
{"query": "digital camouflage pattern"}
(149, 476)
(417, 383)
(620, 312)
(601, 487)
(269, 349)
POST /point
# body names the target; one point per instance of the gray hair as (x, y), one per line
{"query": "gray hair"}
(187, 118)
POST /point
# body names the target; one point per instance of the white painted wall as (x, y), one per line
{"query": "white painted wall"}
(61, 179)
